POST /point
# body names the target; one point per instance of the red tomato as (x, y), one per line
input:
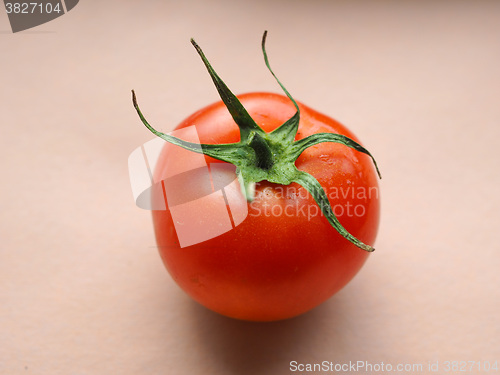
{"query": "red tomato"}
(285, 258)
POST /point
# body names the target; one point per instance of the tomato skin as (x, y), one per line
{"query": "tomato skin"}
(273, 267)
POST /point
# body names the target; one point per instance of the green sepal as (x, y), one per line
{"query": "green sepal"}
(240, 115)
(299, 146)
(230, 152)
(316, 190)
(287, 131)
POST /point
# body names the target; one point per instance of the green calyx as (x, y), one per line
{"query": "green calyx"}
(261, 156)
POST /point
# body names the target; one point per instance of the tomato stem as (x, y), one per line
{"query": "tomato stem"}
(263, 152)
(261, 156)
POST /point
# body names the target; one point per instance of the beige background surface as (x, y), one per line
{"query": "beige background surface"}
(82, 288)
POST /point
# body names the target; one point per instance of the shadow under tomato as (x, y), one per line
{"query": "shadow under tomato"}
(242, 347)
